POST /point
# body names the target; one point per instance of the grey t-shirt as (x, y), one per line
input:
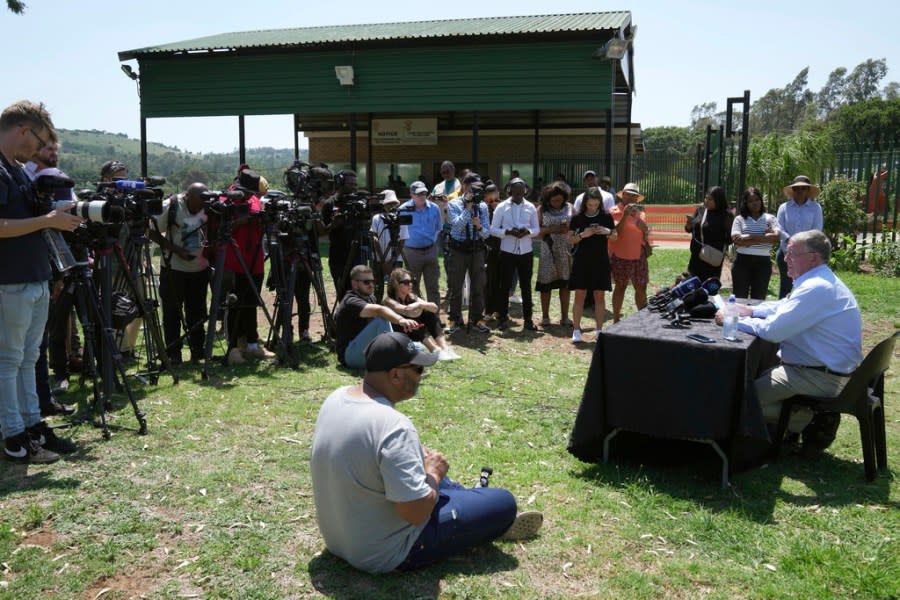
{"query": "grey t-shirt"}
(365, 457)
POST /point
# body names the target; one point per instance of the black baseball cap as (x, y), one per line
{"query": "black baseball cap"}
(390, 350)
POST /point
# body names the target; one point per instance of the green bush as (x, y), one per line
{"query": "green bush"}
(840, 207)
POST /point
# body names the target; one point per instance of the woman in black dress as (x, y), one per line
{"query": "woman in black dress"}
(710, 225)
(589, 232)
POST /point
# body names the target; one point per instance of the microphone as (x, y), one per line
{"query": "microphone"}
(712, 286)
(685, 304)
(664, 300)
(129, 184)
(154, 181)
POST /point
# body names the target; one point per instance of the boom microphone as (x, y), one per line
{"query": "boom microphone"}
(690, 301)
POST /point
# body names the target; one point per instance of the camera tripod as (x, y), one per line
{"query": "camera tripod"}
(94, 311)
(137, 278)
(288, 255)
(223, 243)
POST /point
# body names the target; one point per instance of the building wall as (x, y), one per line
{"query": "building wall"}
(493, 150)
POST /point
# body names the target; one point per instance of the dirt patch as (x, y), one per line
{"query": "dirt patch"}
(135, 584)
(41, 537)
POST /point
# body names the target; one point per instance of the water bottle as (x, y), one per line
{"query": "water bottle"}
(729, 324)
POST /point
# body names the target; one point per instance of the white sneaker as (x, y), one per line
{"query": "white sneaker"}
(576, 336)
(448, 355)
(515, 299)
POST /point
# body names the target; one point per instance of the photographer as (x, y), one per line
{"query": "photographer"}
(340, 228)
(247, 237)
(468, 217)
(382, 223)
(25, 128)
(184, 278)
(59, 323)
(515, 221)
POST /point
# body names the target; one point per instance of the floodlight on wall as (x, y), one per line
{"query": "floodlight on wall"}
(344, 74)
(615, 48)
(129, 72)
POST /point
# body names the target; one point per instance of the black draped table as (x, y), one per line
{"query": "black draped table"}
(646, 377)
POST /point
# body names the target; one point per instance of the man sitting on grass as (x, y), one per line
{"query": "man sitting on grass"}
(383, 500)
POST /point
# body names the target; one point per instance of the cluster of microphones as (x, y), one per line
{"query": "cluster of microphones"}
(688, 298)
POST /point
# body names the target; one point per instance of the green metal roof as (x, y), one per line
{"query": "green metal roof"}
(418, 30)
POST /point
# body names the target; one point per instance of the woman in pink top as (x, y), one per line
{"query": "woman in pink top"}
(628, 253)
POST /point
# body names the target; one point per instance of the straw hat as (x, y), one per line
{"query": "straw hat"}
(632, 189)
(801, 181)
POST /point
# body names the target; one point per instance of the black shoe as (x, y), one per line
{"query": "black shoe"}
(503, 323)
(820, 433)
(55, 407)
(44, 436)
(530, 326)
(22, 449)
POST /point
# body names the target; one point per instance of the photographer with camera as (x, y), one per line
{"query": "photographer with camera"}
(340, 228)
(243, 335)
(469, 228)
(390, 231)
(421, 248)
(180, 232)
(515, 221)
(25, 128)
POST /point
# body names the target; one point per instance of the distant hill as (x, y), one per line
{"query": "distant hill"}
(83, 152)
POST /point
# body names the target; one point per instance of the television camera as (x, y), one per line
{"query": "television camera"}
(309, 183)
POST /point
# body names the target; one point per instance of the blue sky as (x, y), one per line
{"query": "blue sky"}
(64, 53)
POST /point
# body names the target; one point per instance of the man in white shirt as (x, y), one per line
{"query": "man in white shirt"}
(819, 328)
(515, 222)
(588, 181)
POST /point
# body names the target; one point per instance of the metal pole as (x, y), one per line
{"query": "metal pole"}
(537, 148)
(370, 160)
(475, 140)
(242, 146)
(353, 141)
(143, 146)
(296, 138)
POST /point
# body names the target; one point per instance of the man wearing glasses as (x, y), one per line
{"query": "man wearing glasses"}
(421, 249)
(359, 318)
(383, 500)
(25, 128)
(819, 328)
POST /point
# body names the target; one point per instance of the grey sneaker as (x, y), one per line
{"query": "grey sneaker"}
(525, 526)
(22, 449)
(44, 436)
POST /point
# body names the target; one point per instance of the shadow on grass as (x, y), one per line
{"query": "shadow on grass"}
(690, 471)
(334, 578)
(14, 478)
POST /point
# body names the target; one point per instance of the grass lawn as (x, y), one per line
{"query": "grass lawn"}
(215, 502)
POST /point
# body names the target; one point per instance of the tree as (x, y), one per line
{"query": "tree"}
(875, 121)
(891, 91)
(862, 83)
(16, 6)
(832, 94)
(669, 140)
(783, 110)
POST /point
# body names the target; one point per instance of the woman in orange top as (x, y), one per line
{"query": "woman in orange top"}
(628, 253)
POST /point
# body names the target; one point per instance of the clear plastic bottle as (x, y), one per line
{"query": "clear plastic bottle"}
(729, 323)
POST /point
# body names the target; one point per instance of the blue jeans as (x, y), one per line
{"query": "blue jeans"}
(23, 316)
(461, 519)
(355, 354)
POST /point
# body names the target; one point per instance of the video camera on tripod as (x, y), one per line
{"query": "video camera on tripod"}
(122, 200)
(309, 183)
(222, 205)
(289, 216)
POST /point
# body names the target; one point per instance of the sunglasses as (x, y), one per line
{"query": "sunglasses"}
(417, 368)
(39, 139)
(366, 281)
(405, 281)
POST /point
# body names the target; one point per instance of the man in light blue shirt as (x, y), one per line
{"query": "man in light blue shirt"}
(421, 249)
(800, 213)
(819, 328)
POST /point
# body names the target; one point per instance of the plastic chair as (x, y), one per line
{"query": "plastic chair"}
(862, 397)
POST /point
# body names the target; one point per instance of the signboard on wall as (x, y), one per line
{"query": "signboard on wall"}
(404, 132)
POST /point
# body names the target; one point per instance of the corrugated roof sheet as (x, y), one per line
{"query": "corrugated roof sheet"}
(342, 34)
